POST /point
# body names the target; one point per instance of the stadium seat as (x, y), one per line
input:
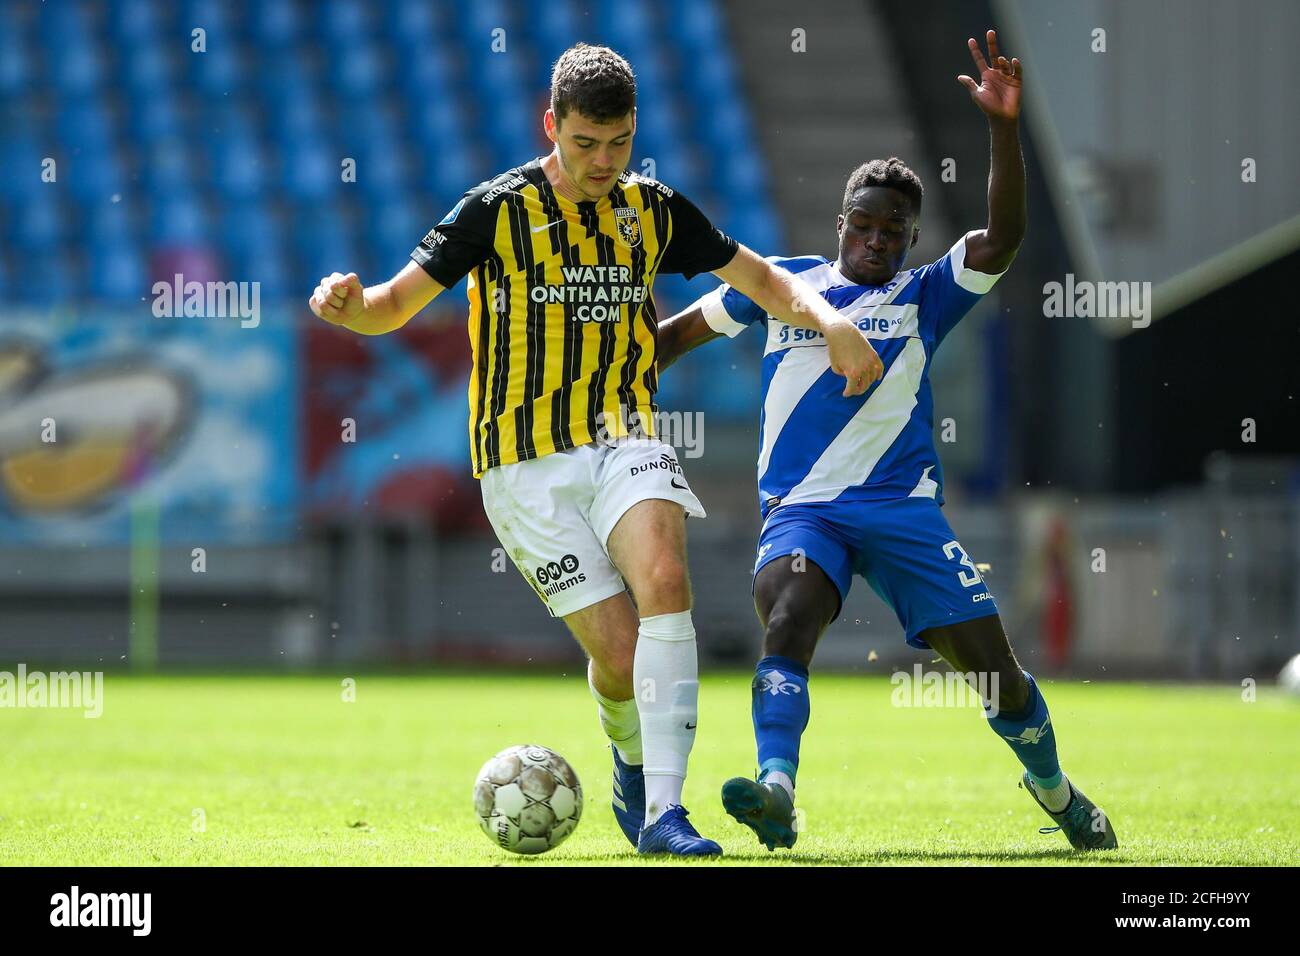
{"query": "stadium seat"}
(171, 168)
(310, 169)
(552, 27)
(276, 25)
(151, 71)
(85, 123)
(20, 165)
(179, 220)
(265, 263)
(253, 242)
(93, 174)
(111, 223)
(397, 229)
(476, 22)
(300, 115)
(627, 26)
(240, 167)
(364, 72)
(49, 280)
(345, 21)
(218, 72)
(134, 24)
(118, 274)
(383, 170)
(324, 243)
(212, 17)
(15, 66)
(41, 223)
(416, 25)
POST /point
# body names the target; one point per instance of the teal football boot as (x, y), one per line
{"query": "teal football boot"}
(1084, 824)
(763, 807)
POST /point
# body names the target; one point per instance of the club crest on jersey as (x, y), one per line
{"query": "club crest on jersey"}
(628, 222)
(448, 219)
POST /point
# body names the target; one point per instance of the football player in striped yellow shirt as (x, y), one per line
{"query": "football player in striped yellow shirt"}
(561, 255)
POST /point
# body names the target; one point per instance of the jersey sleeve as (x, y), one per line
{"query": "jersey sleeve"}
(950, 290)
(731, 312)
(462, 240)
(696, 245)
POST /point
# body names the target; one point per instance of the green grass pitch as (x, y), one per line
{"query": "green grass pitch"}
(268, 770)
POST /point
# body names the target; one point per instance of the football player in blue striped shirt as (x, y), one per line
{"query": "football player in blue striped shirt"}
(852, 484)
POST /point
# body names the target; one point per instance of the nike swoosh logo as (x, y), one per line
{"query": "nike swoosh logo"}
(691, 726)
(547, 226)
(674, 483)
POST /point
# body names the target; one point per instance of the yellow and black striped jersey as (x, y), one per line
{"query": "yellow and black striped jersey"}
(561, 319)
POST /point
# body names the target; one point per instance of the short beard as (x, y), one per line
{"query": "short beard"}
(566, 170)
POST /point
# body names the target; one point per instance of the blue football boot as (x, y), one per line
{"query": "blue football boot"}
(629, 797)
(673, 834)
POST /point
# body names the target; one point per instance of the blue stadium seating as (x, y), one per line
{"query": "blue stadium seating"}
(237, 150)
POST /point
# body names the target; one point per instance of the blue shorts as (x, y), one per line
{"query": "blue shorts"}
(902, 546)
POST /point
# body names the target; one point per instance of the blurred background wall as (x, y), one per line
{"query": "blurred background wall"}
(179, 489)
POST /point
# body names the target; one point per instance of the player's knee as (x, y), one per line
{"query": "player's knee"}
(789, 634)
(664, 587)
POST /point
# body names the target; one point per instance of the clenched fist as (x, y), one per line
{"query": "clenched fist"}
(339, 298)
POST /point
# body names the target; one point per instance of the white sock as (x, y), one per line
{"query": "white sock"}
(621, 723)
(1056, 798)
(777, 778)
(665, 673)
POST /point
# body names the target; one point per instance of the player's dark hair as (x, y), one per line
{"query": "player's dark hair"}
(891, 172)
(595, 81)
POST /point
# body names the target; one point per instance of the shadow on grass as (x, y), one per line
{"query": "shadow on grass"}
(855, 858)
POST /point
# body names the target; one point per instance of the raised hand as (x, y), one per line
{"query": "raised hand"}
(998, 91)
(339, 298)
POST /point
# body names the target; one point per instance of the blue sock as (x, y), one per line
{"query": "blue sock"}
(1031, 737)
(780, 710)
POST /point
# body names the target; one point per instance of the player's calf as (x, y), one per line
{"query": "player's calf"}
(1021, 718)
(795, 602)
(794, 606)
(607, 632)
(648, 545)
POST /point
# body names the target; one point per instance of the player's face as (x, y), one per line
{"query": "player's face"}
(876, 234)
(592, 155)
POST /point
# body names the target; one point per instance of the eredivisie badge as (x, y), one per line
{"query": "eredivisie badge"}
(629, 226)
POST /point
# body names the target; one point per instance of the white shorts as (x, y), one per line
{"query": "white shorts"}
(554, 514)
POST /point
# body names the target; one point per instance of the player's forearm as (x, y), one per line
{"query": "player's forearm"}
(1007, 202)
(668, 347)
(682, 333)
(796, 303)
(384, 312)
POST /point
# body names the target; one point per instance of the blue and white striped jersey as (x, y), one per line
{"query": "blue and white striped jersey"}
(818, 445)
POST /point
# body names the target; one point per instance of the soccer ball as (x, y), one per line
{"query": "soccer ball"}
(527, 799)
(1289, 678)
